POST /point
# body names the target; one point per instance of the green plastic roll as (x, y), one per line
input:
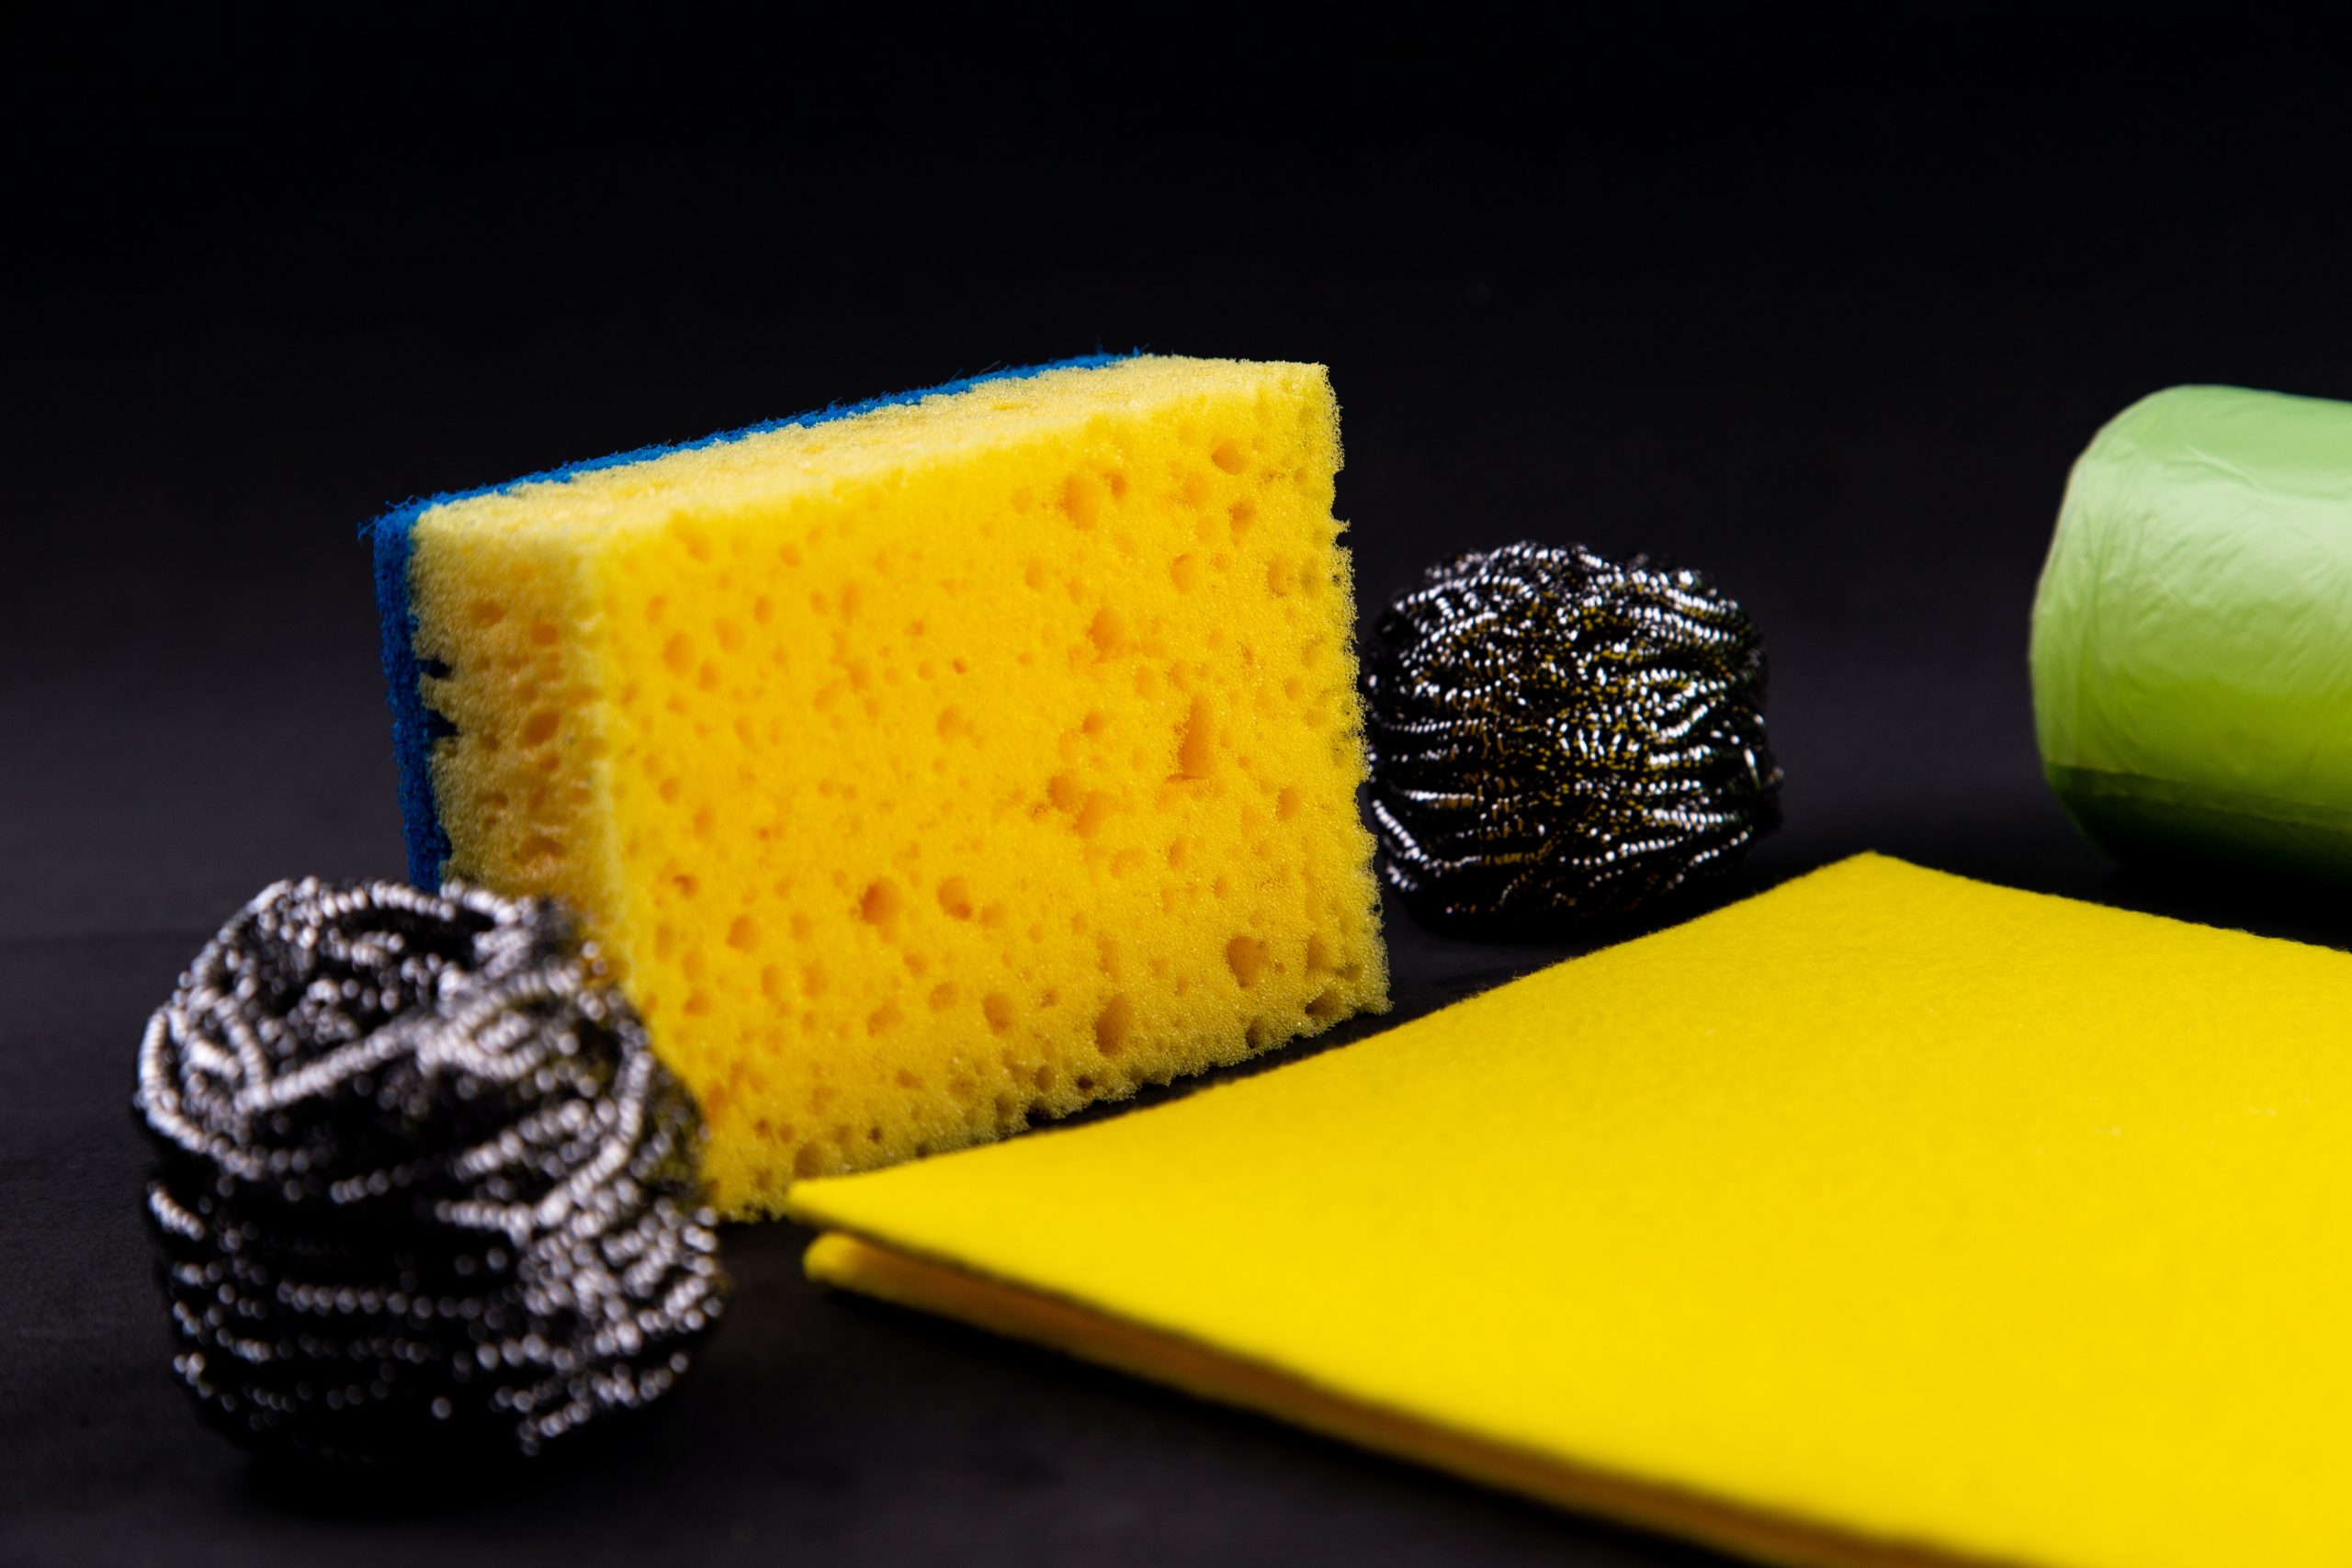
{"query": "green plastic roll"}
(2192, 637)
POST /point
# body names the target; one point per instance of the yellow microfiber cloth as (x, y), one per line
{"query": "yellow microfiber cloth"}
(1885, 1218)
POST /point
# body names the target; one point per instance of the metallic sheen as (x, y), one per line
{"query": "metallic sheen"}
(422, 1192)
(1555, 735)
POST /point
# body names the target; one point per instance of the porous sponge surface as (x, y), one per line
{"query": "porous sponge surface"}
(1907, 1218)
(932, 769)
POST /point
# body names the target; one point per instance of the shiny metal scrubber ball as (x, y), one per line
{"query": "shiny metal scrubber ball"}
(423, 1193)
(1557, 736)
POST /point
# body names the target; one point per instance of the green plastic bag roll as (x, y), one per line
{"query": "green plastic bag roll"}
(2192, 637)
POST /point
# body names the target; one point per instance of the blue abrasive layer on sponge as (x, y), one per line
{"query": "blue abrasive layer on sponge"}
(416, 726)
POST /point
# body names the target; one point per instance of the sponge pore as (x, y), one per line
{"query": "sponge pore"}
(922, 770)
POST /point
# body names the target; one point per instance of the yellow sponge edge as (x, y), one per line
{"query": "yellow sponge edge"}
(934, 768)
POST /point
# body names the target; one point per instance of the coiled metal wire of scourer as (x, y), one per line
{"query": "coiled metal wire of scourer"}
(1556, 736)
(422, 1192)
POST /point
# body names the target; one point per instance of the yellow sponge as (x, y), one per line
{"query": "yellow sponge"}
(923, 770)
(1884, 1219)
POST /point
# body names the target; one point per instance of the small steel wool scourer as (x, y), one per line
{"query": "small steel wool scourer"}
(422, 1192)
(1555, 735)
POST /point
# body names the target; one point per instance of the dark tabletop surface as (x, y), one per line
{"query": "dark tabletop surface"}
(1824, 308)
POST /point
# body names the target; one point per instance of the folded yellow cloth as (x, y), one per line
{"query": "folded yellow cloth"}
(1885, 1218)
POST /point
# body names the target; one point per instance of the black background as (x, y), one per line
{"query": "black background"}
(1822, 304)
